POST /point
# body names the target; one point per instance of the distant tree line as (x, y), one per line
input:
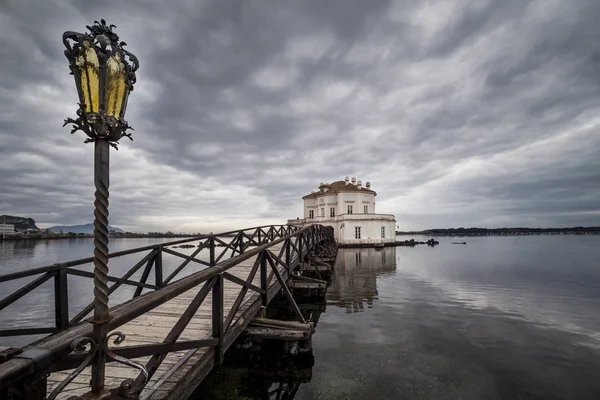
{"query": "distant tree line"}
(579, 230)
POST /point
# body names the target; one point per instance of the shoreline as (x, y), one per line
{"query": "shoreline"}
(496, 234)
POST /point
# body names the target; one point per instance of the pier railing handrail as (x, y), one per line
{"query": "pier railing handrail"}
(296, 244)
(87, 260)
(59, 271)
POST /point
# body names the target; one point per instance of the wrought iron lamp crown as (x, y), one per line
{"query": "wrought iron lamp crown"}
(104, 75)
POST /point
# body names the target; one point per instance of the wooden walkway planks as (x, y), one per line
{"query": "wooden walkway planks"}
(181, 371)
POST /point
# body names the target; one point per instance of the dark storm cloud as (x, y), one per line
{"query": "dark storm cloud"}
(459, 112)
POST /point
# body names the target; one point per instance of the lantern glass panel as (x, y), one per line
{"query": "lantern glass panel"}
(116, 87)
(88, 66)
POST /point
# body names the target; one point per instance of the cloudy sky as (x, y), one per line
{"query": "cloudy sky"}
(459, 112)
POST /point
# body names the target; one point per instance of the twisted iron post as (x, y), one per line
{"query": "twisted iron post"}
(101, 313)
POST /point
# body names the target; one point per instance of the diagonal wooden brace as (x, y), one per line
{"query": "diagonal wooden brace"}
(285, 288)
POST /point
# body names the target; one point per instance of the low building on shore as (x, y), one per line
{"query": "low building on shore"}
(7, 229)
(349, 208)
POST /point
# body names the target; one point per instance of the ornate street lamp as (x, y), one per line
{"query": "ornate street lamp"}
(104, 75)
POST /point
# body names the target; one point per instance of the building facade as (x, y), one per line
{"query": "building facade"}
(7, 229)
(349, 208)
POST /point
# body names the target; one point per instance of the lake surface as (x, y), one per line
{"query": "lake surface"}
(497, 318)
(36, 309)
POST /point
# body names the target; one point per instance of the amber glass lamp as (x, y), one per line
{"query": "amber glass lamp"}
(104, 75)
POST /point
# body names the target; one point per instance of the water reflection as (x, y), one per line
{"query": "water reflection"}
(274, 373)
(18, 255)
(10, 250)
(273, 370)
(354, 284)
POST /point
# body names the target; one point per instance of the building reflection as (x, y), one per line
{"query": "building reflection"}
(354, 284)
(11, 249)
(20, 254)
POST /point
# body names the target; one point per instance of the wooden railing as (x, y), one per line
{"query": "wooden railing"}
(237, 246)
(217, 245)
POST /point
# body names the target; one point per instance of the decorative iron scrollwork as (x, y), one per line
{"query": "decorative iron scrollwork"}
(99, 126)
(79, 346)
(127, 389)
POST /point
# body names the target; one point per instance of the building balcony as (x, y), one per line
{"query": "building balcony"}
(341, 218)
(364, 217)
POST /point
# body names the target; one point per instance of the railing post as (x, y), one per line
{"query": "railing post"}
(300, 247)
(288, 258)
(264, 284)
(158, 269)
(212, 250)
(217, 317)
(241, 243)
(61, 298)
(259, 236)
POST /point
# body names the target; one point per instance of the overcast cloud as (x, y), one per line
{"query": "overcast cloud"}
(460, 113)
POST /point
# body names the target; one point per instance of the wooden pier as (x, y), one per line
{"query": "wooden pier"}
(180, 328)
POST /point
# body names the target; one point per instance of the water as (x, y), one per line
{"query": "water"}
(36, 309)
(497, 318)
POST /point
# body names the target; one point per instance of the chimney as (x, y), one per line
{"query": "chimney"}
(354, 180)
(359, 184)
(347, 180)
(368, 185)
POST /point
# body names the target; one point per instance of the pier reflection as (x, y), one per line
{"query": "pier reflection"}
(354, 284)
(274, 372)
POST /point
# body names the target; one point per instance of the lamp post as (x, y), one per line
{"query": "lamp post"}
(104, 75)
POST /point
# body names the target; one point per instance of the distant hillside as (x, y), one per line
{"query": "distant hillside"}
(19, 222)
(87, 228)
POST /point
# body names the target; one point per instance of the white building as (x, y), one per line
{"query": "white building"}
(7, 229)
(350, 209)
